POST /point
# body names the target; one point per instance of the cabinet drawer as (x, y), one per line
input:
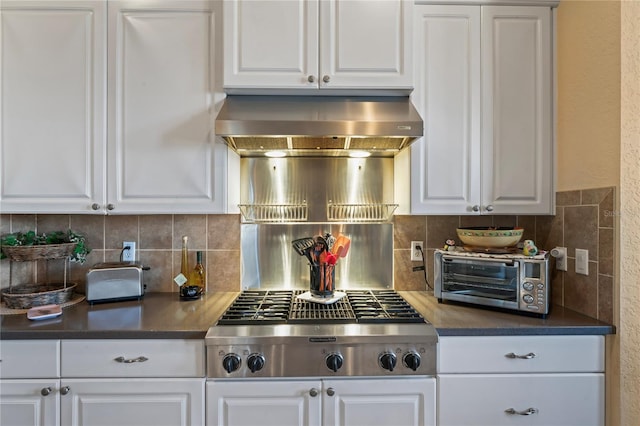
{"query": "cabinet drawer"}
(575, 399)
(29, 359)
(133, 358)
(521, 354)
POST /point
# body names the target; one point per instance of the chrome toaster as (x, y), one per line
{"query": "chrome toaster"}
(108, 282)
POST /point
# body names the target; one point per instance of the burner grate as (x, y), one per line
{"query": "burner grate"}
(303, 311)
(283, 307)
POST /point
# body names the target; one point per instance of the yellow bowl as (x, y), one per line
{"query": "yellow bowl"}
(490, 237)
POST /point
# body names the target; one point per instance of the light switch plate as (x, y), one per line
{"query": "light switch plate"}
(582, 261)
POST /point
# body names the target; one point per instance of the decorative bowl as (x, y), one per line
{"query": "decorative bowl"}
(483, 236)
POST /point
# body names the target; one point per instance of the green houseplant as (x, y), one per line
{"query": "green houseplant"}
(75, 243)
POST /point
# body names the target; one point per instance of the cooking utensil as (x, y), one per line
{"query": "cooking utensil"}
(345, 247)
(303, 247)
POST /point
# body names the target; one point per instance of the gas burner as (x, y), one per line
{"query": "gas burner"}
(283, 307)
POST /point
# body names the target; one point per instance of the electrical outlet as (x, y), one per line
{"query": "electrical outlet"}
(416, 255)
(561, 258)
(129, 255)
(582, 261)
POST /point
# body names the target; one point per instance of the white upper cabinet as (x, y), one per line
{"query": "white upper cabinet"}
(163, 156)
(123, 130)
(317, 44)
(484, 88)
(52, 119)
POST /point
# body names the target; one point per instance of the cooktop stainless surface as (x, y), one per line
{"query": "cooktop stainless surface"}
(275, 334)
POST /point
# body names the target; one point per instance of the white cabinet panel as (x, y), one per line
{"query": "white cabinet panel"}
(132, 402)
(317, 44)
(162, 151)
(265, 403)
(531, 354)
(517, 153)
(271, 43)
(133, 358)
(550, 399)
(29, 359)
(29, 402)
(379, 402)
(484, 88)
(447, 94)
(53, 106)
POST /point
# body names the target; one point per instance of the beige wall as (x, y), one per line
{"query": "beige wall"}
(599, 145)
(630, 215)
(588, 69)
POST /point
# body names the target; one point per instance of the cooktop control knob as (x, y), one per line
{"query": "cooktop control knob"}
(231, 362)
(334, 361)
(388, 361)
(411, 360)
(255, 362)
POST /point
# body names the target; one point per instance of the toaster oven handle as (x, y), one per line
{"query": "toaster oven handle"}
(481, 259)
(527, 412)
(131, 360)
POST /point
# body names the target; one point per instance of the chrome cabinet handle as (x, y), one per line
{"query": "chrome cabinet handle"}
(313, 392)
(311, 79)
(511, 355)
(527, 412)
(331, 392)
(65, 390)
(326, 79)
(489, 208)
(45, 391)
(130, 360)
(475, 208)
(110, 206)
(95, 206)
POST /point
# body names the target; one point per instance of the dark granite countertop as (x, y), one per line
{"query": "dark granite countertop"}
(164, 316)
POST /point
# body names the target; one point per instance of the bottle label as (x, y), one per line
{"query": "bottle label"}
(180, 279)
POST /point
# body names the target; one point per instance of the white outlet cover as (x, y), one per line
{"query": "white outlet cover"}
(582, 261)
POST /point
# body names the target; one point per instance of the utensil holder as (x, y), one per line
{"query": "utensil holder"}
(322, 280)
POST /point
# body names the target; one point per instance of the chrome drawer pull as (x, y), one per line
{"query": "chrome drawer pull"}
(527, 356)
(527, 412)
(130, 360)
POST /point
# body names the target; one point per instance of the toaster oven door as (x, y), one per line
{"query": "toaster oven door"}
(484, 281)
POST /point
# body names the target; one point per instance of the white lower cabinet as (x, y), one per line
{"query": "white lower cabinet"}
(102, 382)
(521, 380)
(132, 402)
(344, 402)
(29, 402)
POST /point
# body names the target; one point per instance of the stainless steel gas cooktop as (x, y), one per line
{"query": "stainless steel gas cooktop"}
(272, 333)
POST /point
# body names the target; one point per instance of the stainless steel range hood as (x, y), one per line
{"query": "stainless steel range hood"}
(318, 125)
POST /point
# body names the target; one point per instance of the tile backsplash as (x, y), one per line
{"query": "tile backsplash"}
(584, 219)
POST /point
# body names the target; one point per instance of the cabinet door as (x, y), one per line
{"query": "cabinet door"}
(162, 91)
(132, 402)
(517, 137)
(378, 402)
(445, 166)
(264, 403)
(52, 78)
(271, 44)
(536, 399)
(366, 44)
(29, 402)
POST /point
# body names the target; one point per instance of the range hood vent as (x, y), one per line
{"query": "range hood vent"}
(318, 125)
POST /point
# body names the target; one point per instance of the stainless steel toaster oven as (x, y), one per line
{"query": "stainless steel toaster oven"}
(510, 281)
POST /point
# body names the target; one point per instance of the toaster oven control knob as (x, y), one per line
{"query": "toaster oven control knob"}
(255, 362)
(528, 298)
(334, 361)
(528, 286)
(388, 361)
(411, 360)
(231, 362)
